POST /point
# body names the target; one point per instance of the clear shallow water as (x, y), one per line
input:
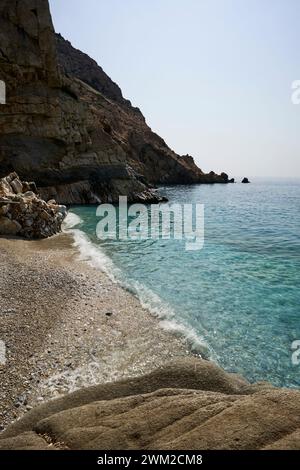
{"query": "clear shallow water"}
(237, 299)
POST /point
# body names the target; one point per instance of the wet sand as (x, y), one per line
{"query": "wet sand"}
(66, 325)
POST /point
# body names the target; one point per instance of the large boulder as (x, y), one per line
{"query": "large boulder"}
(24, 213)
(188, 404)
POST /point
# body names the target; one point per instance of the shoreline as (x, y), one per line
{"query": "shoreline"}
(69, 328)
(66, 325)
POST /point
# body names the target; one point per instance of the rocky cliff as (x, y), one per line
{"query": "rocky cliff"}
(67, 126)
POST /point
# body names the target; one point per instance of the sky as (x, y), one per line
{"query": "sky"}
(212, 77)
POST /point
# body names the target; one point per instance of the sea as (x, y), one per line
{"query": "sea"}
(235, 301)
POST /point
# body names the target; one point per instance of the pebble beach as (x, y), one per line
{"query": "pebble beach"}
(65, 325)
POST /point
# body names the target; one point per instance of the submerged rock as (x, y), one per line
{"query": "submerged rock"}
(24, 213)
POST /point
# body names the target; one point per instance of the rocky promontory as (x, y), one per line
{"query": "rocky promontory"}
(24, 213)
(66, 125)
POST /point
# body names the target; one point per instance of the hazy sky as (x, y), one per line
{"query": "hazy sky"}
(212, 77)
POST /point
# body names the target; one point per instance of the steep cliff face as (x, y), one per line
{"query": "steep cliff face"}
(75, 63)
(66, 124)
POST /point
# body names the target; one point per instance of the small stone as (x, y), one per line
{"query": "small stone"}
(4, 209)
(29, 222)
(32, 187)
(17, 185)
(29, 194)
(9, 227)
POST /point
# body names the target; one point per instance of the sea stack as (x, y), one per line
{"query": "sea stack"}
(245, 181)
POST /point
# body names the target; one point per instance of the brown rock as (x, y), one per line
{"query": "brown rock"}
(9, 227)
(26, 214)
(17, 186)
(5, 187)
(27, 441)
(189, 404)
(3, 209)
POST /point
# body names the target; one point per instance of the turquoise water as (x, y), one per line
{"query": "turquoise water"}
(237, 299)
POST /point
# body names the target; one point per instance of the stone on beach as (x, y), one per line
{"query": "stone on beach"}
(9, 227)
(24, 213)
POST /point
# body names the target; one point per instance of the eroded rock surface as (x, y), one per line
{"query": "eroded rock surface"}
(188, 404)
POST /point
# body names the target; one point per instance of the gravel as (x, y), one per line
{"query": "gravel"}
(66, 325)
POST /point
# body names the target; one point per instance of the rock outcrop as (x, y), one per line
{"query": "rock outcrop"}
(67, 125)
(245, 181)
(188, 404)
(24, 213)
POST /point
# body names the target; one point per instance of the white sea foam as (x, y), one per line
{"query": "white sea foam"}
(71, 221)
(95, 256)
(168, 321)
